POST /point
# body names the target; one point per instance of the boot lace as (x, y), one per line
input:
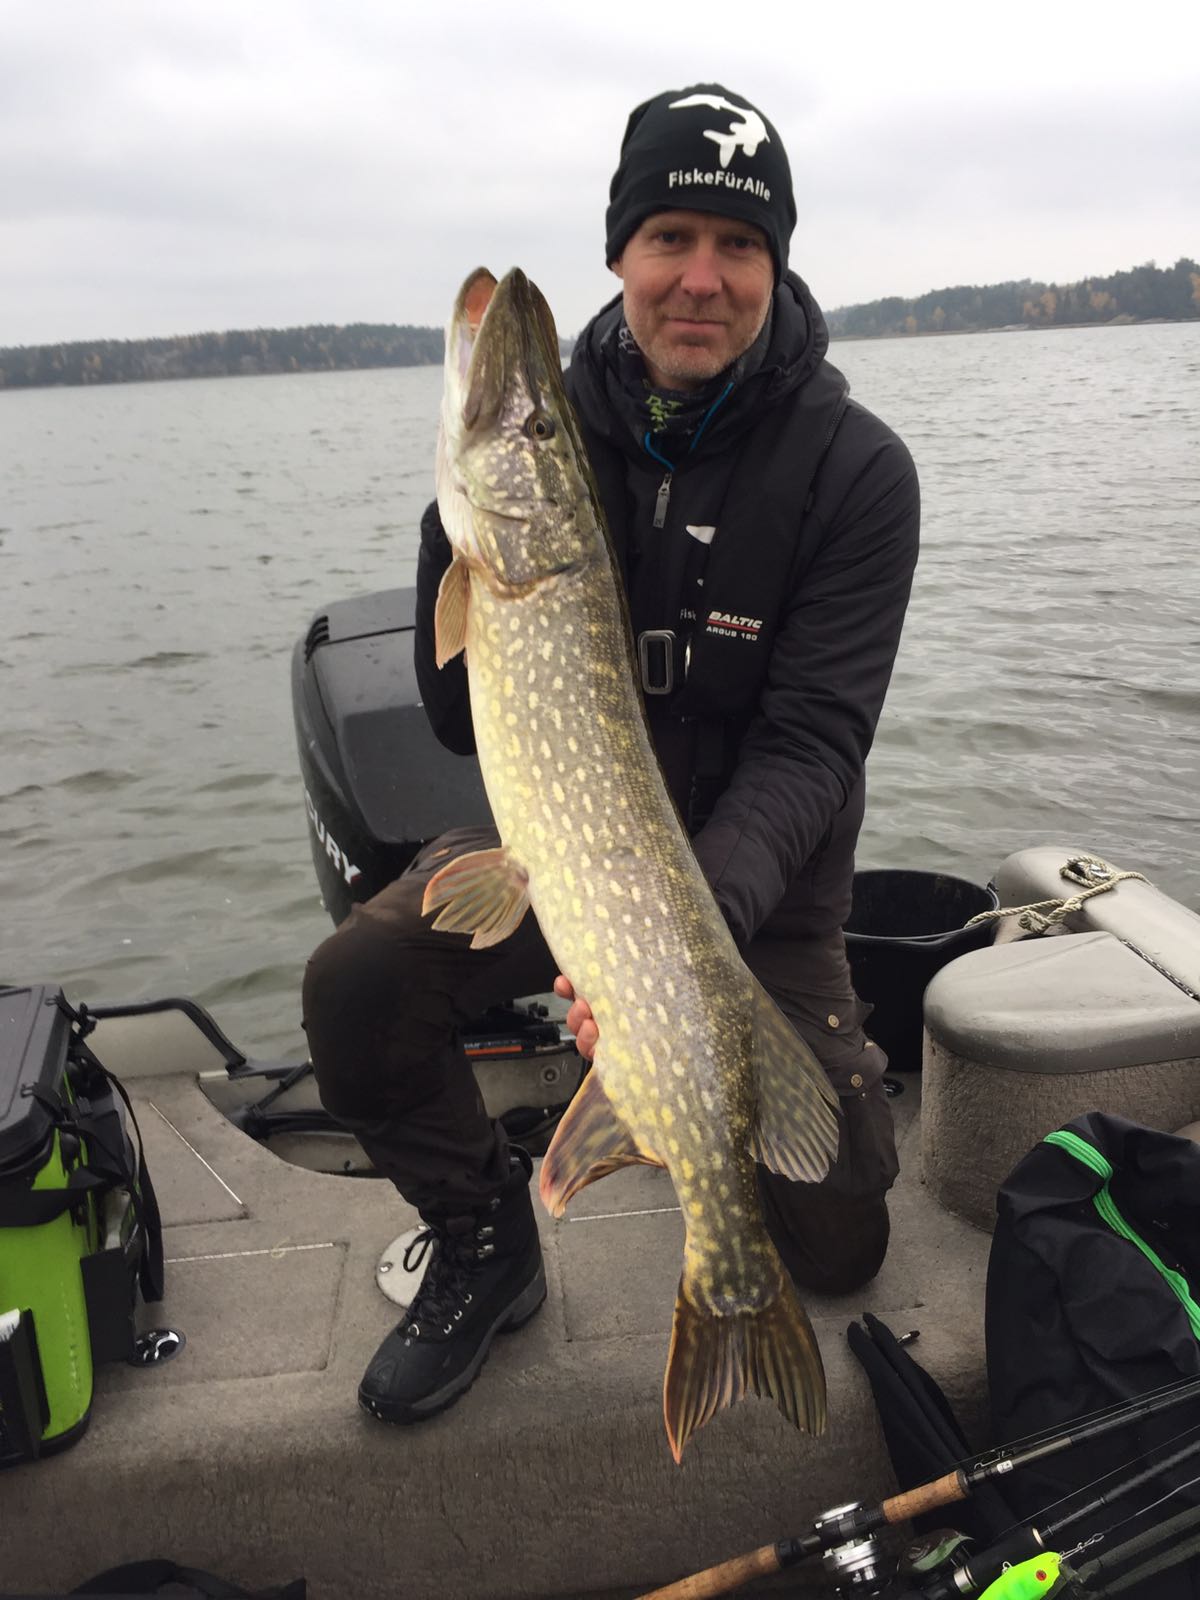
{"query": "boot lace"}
(444, 1294)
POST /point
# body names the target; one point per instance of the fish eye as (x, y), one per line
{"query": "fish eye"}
(539, 426)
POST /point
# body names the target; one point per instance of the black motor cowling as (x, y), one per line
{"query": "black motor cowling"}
(377, 784)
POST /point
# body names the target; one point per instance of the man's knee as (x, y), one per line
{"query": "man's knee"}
(357, 994)
(833, 1236)
(830, 1244)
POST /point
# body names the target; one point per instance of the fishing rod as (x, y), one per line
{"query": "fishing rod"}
(1180, 1534)
(980, 1572)
(846, 1534)
(1052, 1574)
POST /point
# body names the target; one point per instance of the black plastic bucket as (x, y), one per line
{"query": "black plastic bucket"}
(904, 927)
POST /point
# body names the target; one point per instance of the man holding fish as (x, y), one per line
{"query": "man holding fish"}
(762, 529)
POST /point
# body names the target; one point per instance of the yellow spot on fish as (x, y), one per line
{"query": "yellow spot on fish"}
(509, 687)
(668, 1117)
(688, 1170)
(560, 846)
(556, 789)
(510, 719)
(573, 744)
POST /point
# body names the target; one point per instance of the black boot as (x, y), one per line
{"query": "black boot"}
(485, 1276)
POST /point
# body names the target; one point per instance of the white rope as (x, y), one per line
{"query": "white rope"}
(1093, 874)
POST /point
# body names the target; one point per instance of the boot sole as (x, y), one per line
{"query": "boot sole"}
(522, 1309)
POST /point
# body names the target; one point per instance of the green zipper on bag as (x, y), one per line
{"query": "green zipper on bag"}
(1105, 1205)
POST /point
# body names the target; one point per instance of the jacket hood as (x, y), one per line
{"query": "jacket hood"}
(799, 340)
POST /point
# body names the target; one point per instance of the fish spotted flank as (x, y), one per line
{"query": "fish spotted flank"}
(696, 1071)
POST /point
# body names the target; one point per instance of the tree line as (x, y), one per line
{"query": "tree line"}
(220, 355)
(1141, 293)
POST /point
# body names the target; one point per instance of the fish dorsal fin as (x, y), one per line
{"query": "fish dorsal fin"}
(484, 893)
(450, 617)
(590, 1142)
(796, 1132)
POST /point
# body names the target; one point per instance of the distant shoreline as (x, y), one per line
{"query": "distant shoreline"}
(1133, 298)
(1009, 327)
(393, 366)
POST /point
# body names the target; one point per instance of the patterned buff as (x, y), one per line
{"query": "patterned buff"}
(672, 416)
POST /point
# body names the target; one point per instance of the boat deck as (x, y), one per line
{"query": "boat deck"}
(246, 1454)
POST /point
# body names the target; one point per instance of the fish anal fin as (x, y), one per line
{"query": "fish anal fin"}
(484, 893)
(590, 1142)
(714, 1361)
(796, 1129)
(450, 615)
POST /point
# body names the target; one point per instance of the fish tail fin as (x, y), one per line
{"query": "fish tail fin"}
(714, 1361)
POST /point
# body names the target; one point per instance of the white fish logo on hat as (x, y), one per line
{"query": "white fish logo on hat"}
(748, 130)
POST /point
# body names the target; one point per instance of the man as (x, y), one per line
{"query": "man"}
(766, 528)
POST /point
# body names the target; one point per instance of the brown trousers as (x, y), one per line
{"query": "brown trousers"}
(385, 996)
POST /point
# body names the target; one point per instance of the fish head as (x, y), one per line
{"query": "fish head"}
(514, 487)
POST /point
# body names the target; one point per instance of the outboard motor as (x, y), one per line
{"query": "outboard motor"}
(377, 784)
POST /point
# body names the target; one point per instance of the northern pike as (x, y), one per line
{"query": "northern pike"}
(696, 1070)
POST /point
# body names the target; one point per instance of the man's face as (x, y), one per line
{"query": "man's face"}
(697, 291)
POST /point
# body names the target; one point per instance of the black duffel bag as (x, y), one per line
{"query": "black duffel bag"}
(1091, 1302)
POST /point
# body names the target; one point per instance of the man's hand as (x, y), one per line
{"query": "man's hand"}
(579, 1018)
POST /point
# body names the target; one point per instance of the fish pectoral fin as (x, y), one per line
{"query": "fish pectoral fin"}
(450, 615)
(714, 1361)
(590, 1142)
(484, 893)
(796, 1131)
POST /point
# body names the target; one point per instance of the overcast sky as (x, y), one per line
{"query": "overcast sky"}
(171, 166)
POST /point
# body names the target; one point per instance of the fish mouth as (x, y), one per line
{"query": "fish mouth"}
(515, 345)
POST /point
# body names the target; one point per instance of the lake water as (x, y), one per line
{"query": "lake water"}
(162, 546)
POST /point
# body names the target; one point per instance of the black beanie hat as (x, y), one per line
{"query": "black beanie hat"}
(702, 149)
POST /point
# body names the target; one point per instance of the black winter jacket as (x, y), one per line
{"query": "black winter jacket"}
(793, 628)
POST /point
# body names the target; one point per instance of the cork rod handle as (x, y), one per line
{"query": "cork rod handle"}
(720, 1580)
(941, 1492)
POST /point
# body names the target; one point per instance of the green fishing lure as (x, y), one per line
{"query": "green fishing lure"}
(1026, 1581)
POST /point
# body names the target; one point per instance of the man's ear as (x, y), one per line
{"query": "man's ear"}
(615, 266)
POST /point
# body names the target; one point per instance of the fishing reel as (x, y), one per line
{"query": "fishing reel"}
(854, 1566)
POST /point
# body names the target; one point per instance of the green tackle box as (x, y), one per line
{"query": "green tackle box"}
(76, 1218)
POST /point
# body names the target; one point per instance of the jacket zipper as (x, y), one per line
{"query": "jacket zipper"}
(662, 500)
